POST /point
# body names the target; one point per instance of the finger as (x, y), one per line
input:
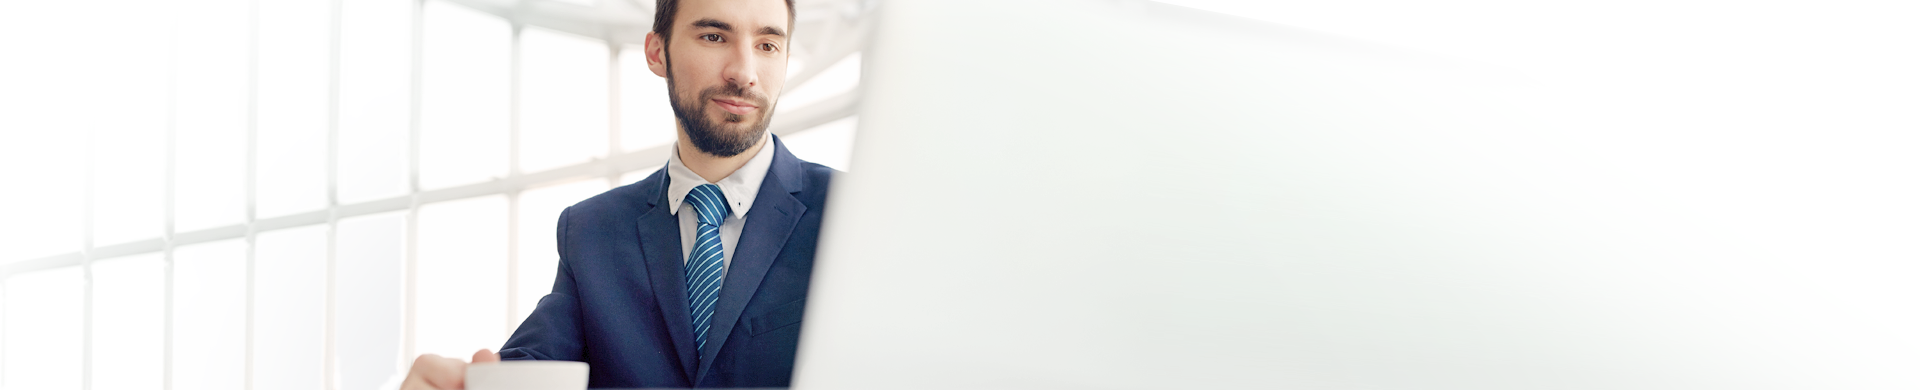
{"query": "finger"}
(439, 372)
(485, 356)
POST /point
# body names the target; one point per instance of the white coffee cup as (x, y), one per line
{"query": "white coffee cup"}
(527, 375)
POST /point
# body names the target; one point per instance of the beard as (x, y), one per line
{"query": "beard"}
(731, 134)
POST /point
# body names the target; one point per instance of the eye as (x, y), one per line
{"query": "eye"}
(711, 37)
(767, 47)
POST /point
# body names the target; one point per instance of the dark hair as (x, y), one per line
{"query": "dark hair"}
(664, 10)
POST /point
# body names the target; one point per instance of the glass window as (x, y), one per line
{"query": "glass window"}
(43, 321)
(646, 118)
(43, 212)
(128, 145)
(376, 98)
(129, 306)
(367, 297)
(295, 46)
(829, 144)
(210, 315)
(289, 308)
(461, 289)
(129, 176)
(841, 78)
(464, 112)
(210, 114)
(58, 85)
(636, 175)
(563, 99)
(538, 257)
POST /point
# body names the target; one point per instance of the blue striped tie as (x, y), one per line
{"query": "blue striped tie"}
(704, 263)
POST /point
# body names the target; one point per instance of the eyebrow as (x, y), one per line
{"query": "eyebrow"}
(724, 26)
(713, 24)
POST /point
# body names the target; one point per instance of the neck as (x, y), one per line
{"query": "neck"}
(711, 167)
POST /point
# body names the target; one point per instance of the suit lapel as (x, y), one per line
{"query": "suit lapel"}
(660, 244)
(774, 214)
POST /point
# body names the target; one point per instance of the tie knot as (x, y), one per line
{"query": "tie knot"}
(709, 203)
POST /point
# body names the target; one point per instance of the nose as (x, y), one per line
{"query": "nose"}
(740, 70)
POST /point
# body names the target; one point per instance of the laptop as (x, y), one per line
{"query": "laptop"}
(1133, 195)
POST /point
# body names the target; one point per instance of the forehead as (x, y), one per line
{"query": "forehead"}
(742, 14)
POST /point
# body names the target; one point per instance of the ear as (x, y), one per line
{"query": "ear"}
(657, 54)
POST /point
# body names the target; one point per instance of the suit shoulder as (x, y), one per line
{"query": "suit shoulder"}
(818, 180)
(816, 173)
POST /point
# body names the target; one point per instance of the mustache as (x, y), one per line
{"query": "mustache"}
(731, 90)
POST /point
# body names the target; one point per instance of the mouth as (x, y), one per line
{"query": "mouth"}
(736, 107)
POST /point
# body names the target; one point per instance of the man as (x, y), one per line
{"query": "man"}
(695, 276)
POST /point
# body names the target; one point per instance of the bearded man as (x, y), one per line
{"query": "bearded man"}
(697, 275)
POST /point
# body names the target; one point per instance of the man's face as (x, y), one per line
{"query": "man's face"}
(725, 64)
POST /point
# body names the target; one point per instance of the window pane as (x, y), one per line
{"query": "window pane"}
(376, 66)
(289, 315)
(44, 216)
(538, 259)
(128, 145)
(57, 85)
(367, 298)
(128, 177)
(462, 285)
(563, 99)
(209, 315)
(636, 175)
(830, 144)
(646, 119)
(838, 79)
(129, 306)
(43, 329)
(210, 113)
(295, 41)
(464, 107)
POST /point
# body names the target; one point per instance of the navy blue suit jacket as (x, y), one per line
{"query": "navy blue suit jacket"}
(619, 300)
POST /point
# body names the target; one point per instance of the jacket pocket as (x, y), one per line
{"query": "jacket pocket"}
(787, 314)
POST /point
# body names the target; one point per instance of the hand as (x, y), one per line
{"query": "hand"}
(433, 372)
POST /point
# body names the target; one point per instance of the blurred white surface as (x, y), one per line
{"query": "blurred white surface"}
(460, 302)
(646, 119)
(466, 96)
(289, 339)
(43, 343)
(1130, 195)
(829, 144)
(367, 294)
(129, 317)
(841, 77)
(375, 105)
(292, 105)
(210, 316)
(563, 99)
(211, 116)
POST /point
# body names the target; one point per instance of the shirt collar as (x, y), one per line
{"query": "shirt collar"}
(740, 187)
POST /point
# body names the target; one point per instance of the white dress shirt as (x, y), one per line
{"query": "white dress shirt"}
(739, 188)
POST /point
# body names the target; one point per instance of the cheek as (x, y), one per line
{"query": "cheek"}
(693, 66)
(774, 80)
(774, 76)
